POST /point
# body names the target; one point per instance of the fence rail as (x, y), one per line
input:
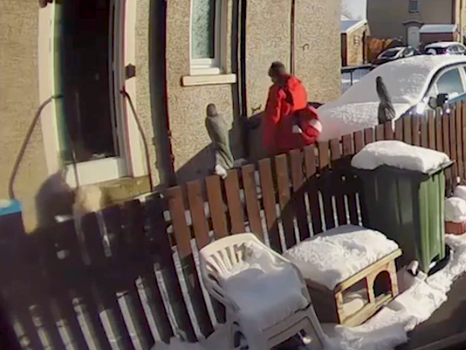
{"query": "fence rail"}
(132, 279)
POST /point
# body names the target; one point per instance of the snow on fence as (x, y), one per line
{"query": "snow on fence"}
(140, 283)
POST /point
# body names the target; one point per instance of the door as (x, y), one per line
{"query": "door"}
(413, 36)
(450, 82)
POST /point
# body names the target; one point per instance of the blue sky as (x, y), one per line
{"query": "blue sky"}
(357, 8)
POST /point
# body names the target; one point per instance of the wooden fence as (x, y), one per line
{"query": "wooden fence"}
(133, 279)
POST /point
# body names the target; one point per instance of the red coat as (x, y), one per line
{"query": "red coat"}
(287, 106)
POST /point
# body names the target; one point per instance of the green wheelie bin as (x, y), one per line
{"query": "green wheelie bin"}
(408, 207)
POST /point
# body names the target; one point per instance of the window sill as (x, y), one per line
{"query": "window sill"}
(95, 171)
(199, 80)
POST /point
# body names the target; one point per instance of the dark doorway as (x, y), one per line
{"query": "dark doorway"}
(87, 124)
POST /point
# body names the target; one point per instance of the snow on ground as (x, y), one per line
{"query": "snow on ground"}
(390, 326)
(400, 155)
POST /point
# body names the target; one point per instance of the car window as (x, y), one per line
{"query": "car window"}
(450, 83)
(452, 50)
(409, 52)
(390, 53)
(461, 49)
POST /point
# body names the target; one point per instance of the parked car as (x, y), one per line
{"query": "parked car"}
(445, 48)
(395, 53)
(414, 84)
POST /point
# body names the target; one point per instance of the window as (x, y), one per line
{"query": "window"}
(452, 50)
(206, 36)
(450, 83)
(409, 52)
(413, 6)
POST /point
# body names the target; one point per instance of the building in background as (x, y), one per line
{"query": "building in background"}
(430, 33)
(353, 42)
(405, 18)
(168, 60)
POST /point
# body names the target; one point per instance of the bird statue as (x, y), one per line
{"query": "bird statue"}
(386, 112)
(218, 132)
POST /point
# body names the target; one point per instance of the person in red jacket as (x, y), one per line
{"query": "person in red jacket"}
(289, 121)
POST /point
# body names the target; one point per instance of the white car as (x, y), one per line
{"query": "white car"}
(445, 48)
(414, 84)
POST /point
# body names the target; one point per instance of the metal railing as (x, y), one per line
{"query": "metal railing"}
(352, 74)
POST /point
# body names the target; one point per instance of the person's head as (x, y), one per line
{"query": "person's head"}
(277, 72)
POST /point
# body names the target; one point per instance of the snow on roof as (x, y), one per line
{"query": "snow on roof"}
(347, 25)
(442, 44)
(438, 28)
(406, 80)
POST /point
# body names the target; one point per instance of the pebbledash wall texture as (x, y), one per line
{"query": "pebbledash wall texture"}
(267, 38)
(19, 100)
(240, 89)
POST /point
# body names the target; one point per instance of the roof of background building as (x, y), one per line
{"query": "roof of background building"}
(347, 25)
(438, 28)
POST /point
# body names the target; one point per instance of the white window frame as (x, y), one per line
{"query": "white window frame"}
(416, 6)
(207, 66)
(131, 161)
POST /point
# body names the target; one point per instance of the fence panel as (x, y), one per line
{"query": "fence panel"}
(458, 127)
(310, 161)
(299, 200)
(188, 267)
(269, 198)
(252, 198)
(348, 151)
(325, 185)
(234, 204)
(216, 206)
(162, 253)
(338, 181)
(284, 200)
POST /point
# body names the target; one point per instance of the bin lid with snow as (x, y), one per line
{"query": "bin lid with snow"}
(399, 155)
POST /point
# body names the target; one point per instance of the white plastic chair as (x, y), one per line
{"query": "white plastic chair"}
(219, 258)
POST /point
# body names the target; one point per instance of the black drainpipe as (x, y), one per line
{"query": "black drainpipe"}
(242, 92)
(158, 92)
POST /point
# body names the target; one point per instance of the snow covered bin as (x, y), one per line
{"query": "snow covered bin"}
(403, 191)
